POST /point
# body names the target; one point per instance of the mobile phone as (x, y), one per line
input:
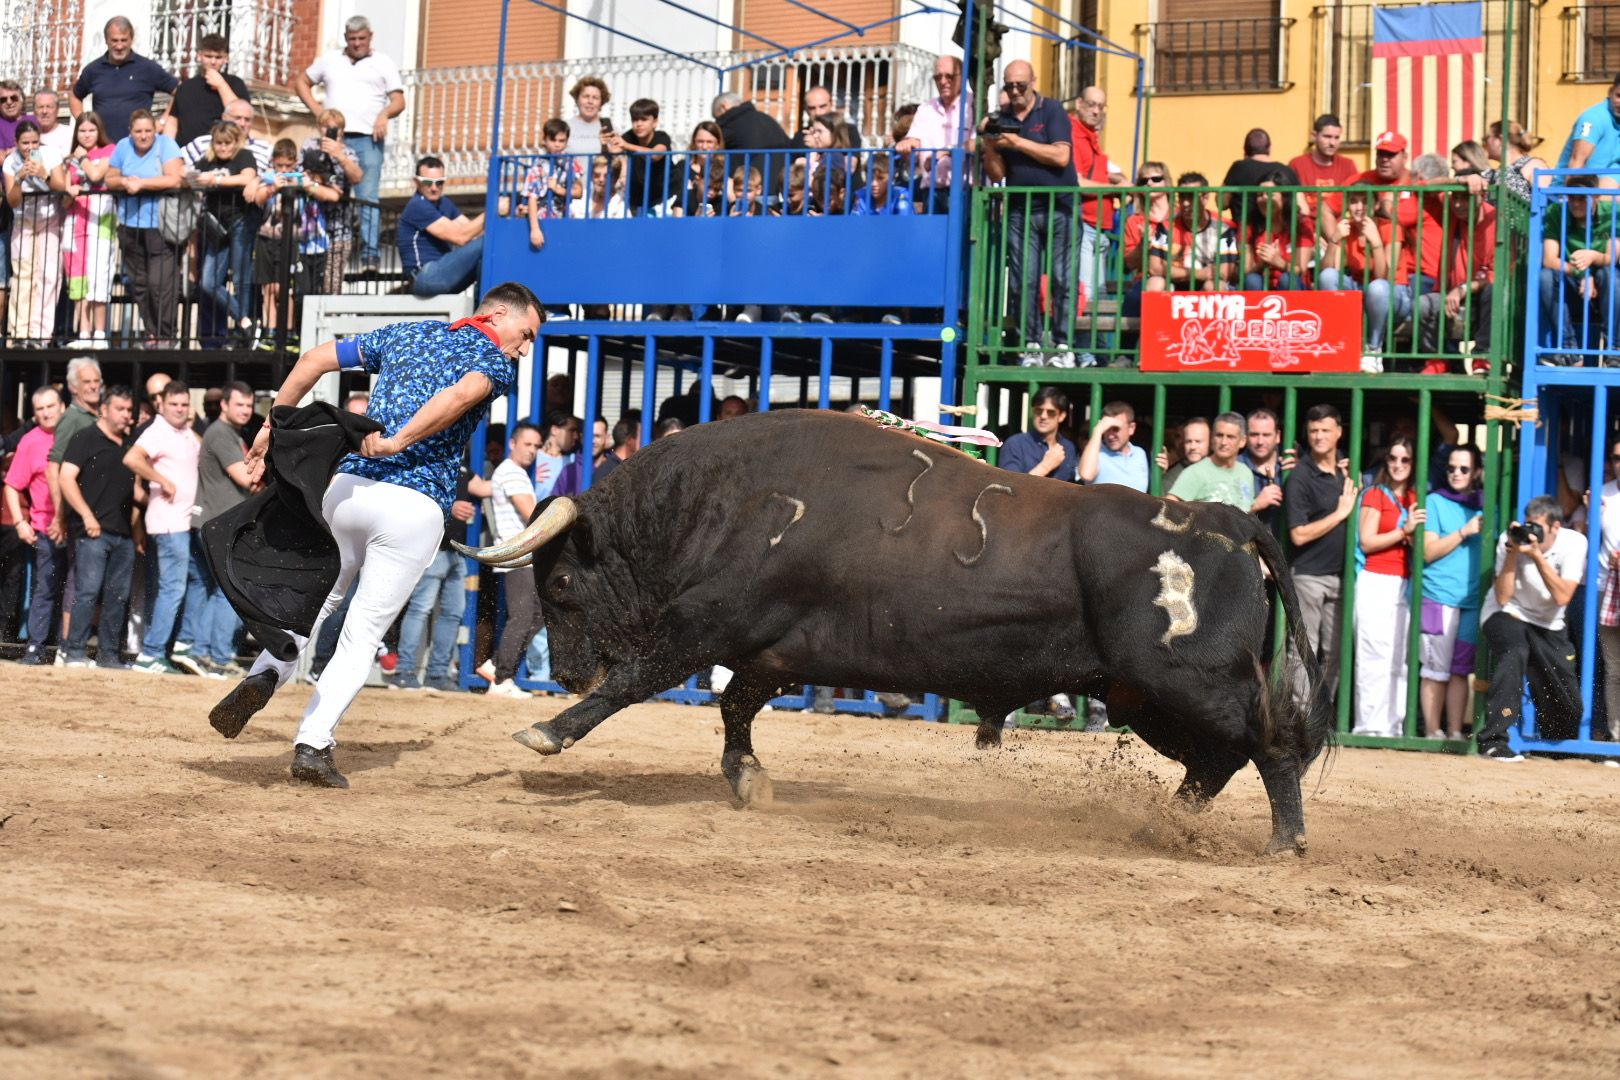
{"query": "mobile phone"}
(332, 133)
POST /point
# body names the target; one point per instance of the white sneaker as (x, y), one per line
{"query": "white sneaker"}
(1062, 358)
(508, 689)
(1031, 359)
(486, 671)
(81, 343)
(1372, 364)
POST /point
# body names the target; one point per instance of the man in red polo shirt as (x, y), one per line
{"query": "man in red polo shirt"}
(1096, 214)
(1323, 166)
(1389, 169)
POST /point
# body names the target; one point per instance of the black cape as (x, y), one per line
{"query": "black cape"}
(272, 553)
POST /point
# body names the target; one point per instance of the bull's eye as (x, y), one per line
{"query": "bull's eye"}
(562, 582)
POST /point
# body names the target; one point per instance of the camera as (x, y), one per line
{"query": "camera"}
(1529, 532)
(992, 126)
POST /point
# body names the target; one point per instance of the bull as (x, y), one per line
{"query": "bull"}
(814, 547)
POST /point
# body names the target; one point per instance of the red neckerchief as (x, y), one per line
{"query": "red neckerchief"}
(479, 323)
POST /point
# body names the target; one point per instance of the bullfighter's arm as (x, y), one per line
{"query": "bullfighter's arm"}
(321, 360)
(441, 410)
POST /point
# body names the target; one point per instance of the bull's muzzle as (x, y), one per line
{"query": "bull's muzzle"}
(552, 522)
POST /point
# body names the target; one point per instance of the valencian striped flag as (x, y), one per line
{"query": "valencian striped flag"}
(1428, 74)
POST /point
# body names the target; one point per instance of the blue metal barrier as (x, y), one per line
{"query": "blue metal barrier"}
(1572, 374)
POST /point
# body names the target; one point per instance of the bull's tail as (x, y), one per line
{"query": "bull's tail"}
(1303, 728)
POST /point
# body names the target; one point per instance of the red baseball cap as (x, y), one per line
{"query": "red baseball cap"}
(1390, 142)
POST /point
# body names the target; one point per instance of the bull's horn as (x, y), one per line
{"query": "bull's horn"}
(553, 521)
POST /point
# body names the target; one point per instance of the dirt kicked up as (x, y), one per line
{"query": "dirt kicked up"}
(910, 907)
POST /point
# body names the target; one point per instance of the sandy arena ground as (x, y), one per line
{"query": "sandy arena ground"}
(174, 906)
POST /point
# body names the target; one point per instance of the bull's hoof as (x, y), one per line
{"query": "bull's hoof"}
(1286, 845)
(752, 785)
(988, 737)
(542, 740)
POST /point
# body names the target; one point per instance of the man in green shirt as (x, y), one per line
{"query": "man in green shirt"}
(1578, 291)
(84, 387)
(1221, 477)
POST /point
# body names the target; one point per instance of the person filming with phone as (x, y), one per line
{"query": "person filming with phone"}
(1538, 567)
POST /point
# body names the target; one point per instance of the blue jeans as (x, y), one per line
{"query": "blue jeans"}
(1258, 281)
(1377, 297)
(369, 152)
(441, 588)
(452, 273)
(210, 623)
(102, 567)
(1027, 255)
(1093, 275)
(172, 558)
(537, 658)
(230, 261)
(1577, 321)
(50, 574)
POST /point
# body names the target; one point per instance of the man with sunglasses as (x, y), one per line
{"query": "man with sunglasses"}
(1043, 451)
(1027, 145)
(440, 248)
(386, 506)
(943, 122)
(11, 112)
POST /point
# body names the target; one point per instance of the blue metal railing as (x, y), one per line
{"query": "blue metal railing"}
(1572, 374)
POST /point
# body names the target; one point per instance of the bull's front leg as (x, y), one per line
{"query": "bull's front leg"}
(627, 684)
(740, 702)
(1281, 774)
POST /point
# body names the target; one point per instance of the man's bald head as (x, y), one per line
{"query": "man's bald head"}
(1019, 71)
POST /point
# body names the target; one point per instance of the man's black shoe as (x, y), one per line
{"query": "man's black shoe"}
(314, 766)
(32, 658)
(250, 695)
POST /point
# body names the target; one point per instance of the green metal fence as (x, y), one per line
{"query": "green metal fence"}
(1370, 403)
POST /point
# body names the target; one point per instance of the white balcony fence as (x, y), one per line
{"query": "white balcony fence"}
(41, 43)
(260, 33)
(449, 111)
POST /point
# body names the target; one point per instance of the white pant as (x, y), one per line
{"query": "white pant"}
(1382, 616)
(388, 535)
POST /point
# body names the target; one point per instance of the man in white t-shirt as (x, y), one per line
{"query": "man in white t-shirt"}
(1523, 620)
(366, 88)
(166, 457)
(511, 503)
(52, 132)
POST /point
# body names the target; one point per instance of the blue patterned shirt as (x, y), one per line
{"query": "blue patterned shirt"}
(415, 361)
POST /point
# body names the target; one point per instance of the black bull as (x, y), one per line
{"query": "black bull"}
(813, 547)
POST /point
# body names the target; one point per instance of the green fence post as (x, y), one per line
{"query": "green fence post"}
(1155, 477)
(1347, 586)
(1420, 484)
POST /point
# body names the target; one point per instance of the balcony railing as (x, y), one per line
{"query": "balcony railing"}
(1213, 55)
(1344, 35)
(41, 44)
(260, 33)
(1591, 42)
(449, 110)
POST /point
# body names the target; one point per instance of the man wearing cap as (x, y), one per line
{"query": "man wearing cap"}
(1389, 168)
(1594, 141)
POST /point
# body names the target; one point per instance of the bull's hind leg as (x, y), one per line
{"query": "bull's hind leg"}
(739, 704)
(992, 717)
(1281, 776)
(1206, 777)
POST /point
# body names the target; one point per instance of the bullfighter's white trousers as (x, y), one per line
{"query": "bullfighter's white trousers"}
(388, 535)
(1382, 614)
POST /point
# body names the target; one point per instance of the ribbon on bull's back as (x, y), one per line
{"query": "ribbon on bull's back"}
(945, 433)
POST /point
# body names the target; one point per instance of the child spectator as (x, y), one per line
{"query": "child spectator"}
(228, 178)
(881, 195)
(1450, 611)
(90, 234)
(552, 182)
(1388, 517)
(1203, 244)
(746, 192)
(291, 198)
(604, 200)
(36, 236)
(1278, 245)
(827, 190)
(328, 156)
(647, 157)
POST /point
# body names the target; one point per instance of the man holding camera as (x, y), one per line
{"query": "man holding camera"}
(1538, 567)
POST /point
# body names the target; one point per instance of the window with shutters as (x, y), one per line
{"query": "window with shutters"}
(1074, 65)
(1591, 41)
(1203, 46)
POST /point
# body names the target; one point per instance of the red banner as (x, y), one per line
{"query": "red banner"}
(1251, 331)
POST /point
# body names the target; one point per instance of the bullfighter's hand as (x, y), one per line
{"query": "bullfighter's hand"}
(378, 445)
